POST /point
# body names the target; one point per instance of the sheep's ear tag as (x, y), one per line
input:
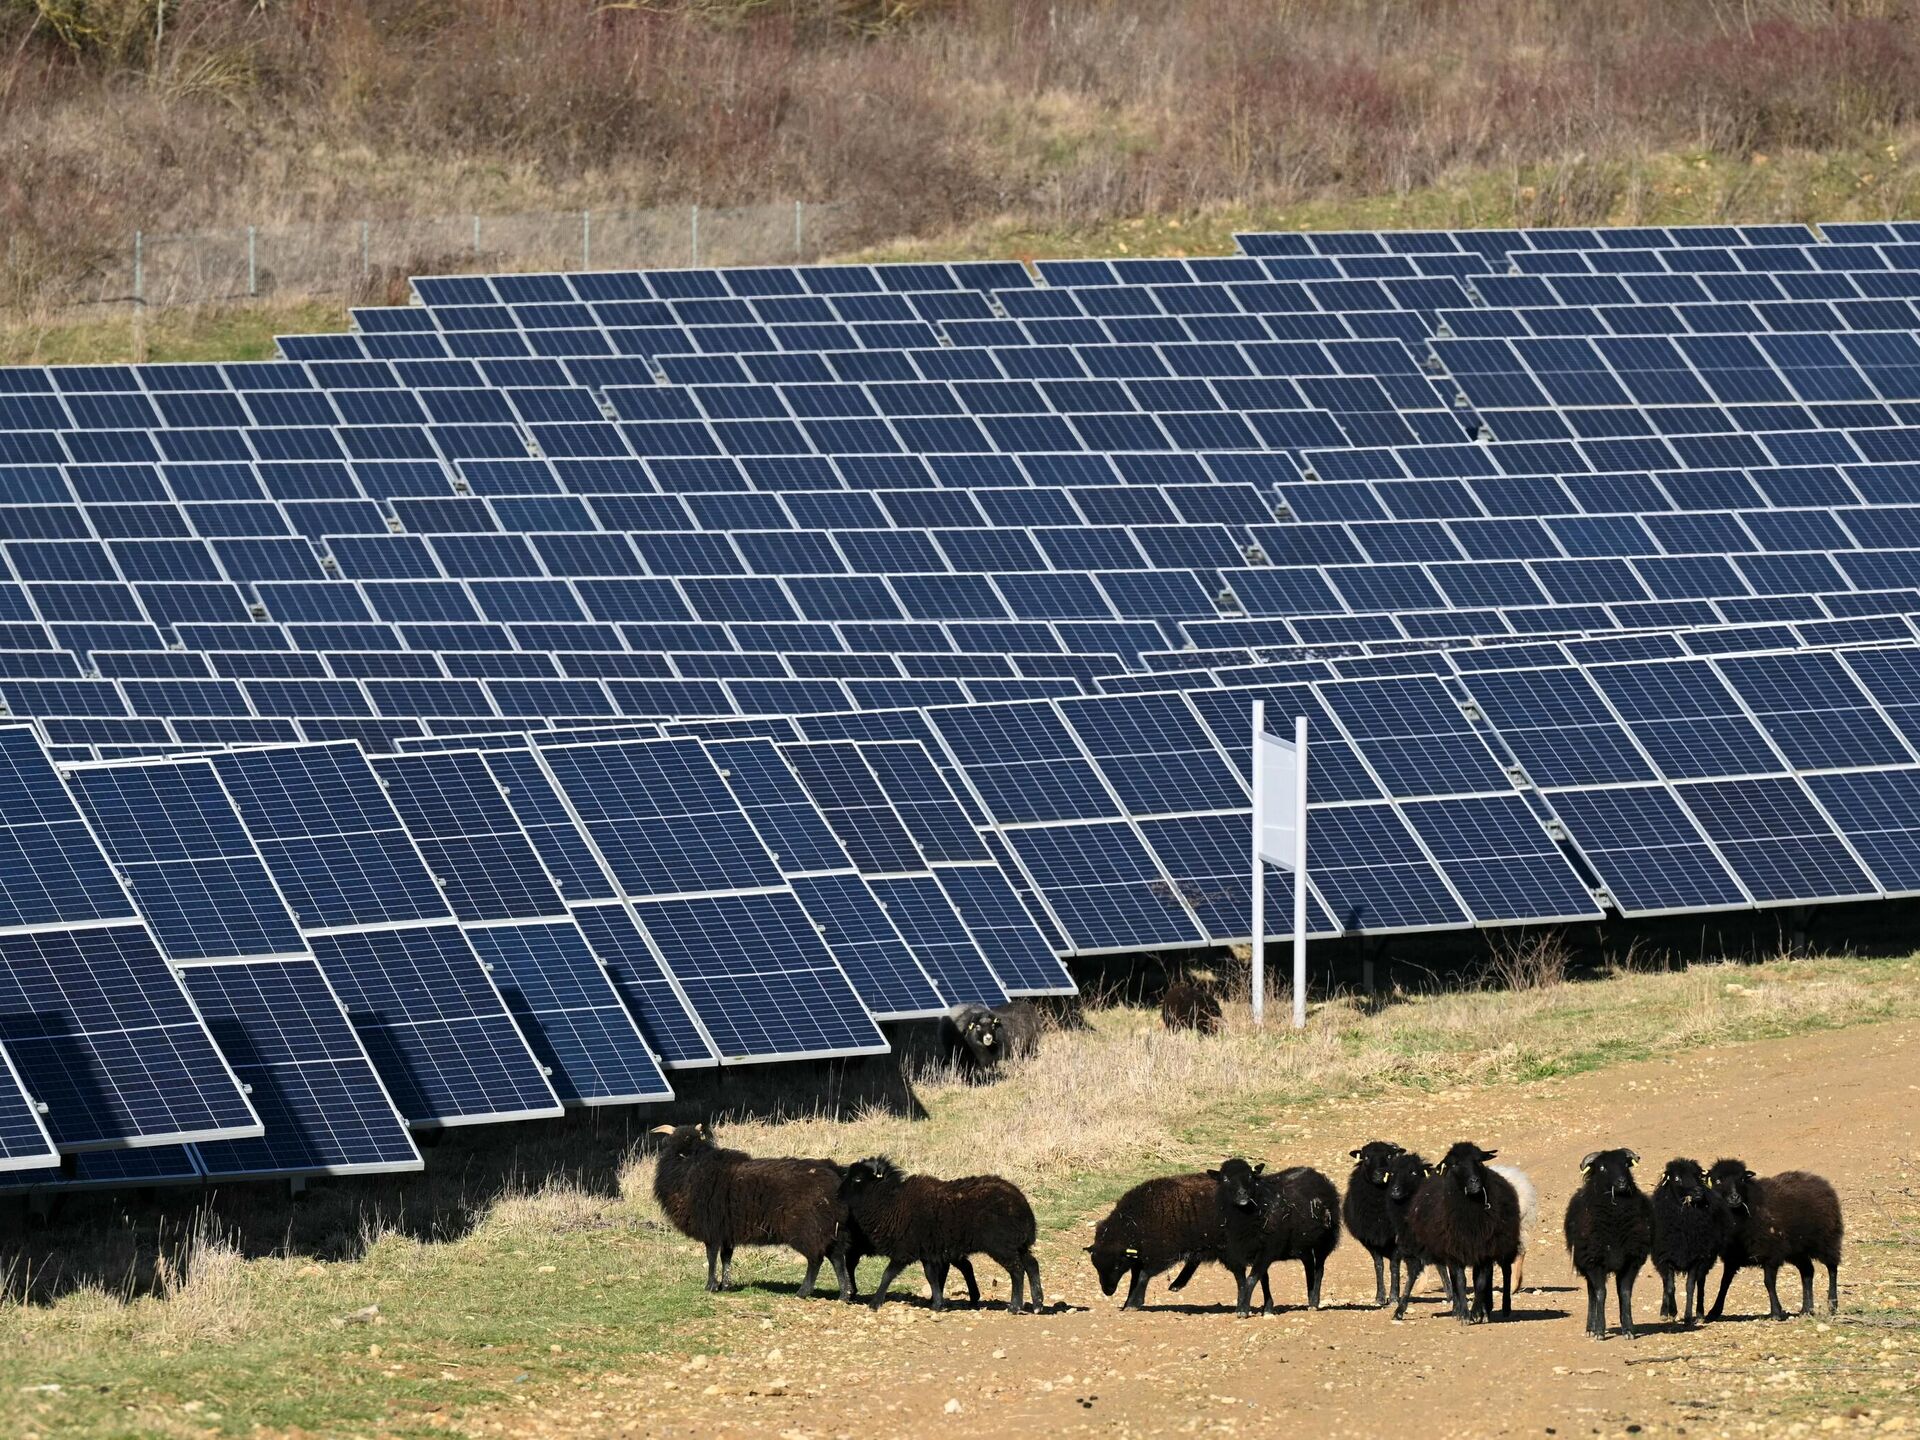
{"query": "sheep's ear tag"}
(1132, 1253)
(1354, 1153)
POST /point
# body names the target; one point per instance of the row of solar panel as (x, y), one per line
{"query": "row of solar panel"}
(292, 873)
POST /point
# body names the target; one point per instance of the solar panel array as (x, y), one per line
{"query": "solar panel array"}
(598, 675)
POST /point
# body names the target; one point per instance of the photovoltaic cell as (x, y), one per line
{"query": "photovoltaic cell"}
(1500, 860)
(103, 1039)
(24, 1142)
(1774, 839)
(1646, 850)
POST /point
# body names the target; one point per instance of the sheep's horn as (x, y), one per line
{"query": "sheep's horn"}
(661, 1130)
(1587, 1164)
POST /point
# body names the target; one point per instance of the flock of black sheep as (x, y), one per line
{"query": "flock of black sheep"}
(1463, 1217)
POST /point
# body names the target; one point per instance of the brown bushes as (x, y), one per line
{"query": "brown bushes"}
(922, 114)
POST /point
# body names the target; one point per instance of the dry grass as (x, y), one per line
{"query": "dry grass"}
(1125, 1094)
(931, 117)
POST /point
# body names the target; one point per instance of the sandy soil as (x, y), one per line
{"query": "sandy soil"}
(1846, 1103)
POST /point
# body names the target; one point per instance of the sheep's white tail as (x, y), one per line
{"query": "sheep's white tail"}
(1529, 1212)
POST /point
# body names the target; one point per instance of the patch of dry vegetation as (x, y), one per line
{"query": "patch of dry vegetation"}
(926, 116)
(1125, 1095)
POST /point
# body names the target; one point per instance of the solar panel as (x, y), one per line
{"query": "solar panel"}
(173, 834)
(99, 1030)
(848, 796)
(517, 922)
(420, 999)
(24, 1142)
(850, 917)
(1782, 848)
(723, 919)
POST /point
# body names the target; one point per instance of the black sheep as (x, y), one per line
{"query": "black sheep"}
(1292, 1215)
(1154, 1226)
(940, 1224)
(1366, 1212)
(1406, 1173)
(1609, 1231)
(1466, 1218)
(978, 1040)
(1792, 1218)
(1691, 1227)
(725, 1198)
(1187, 1006)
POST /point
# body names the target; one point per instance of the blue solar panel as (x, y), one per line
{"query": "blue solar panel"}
(100, 1031)
(428, 1013)
(721, 917)
(1413, 735)
(1878, 811)
(1649, 855)
(1558, 728)
(324, 1108)
(1776, 841)
(1686, 719)
(24, 1142)
(870, 948)
(1501, 860)
(1103, 886)
(1372, 873)
(174, 835)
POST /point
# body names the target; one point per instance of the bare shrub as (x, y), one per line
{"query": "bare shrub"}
(1530, 960)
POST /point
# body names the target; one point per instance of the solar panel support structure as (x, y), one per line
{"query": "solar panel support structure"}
(1279, 837)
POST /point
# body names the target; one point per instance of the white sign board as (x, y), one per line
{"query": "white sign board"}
(1278, 802)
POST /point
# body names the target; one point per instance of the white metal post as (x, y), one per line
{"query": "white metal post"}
(1300, 876)
(693, 236)
(253, 266)
(586, 239)
(1259, 869)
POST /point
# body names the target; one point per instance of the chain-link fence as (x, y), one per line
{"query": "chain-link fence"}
(370, 260)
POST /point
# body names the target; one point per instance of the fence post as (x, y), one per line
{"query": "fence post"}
(695, 234)
(366, 259)
(799, 232)
(253, 268)
(139, 272)
(586, 239)
(476, 237)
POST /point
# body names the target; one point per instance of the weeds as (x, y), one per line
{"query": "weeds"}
(925, 118)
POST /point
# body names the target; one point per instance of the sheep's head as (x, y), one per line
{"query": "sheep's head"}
(1611, 1171)
(1375, 1157)
(1406, 1172)
(1111, 1262)
(868, 1177)
(684, 1139)
(1732, 1181)
(1239, 1184)
(985, 1031)
(1685, 1181)
(1465, 1168)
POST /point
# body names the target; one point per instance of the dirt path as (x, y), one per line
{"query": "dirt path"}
(1846, 1103)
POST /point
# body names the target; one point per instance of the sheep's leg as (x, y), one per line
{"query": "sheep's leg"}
(1668, 1309)
(1596, 1303)
(1483, 1291)
(1035, 1300)
(843, 1272)
(1506, 1288)
(1379, 1279)
(965, 1267)
(1242, 1290)
(726, 1267)
(1266, 1290)
(813, 1273)
(1191, 1264)
(1394, 1268)
(1805, 1267)
(1016, 1269)
(1136, 1291)
(1312, 1266)
(936, 1273)
(1774, 1307)
(1833, 1289)
(1623, 1291)
(1726, 1281)
(713, 1264)
(1457, 1291)
(1520, 1269)
(887, 1277)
